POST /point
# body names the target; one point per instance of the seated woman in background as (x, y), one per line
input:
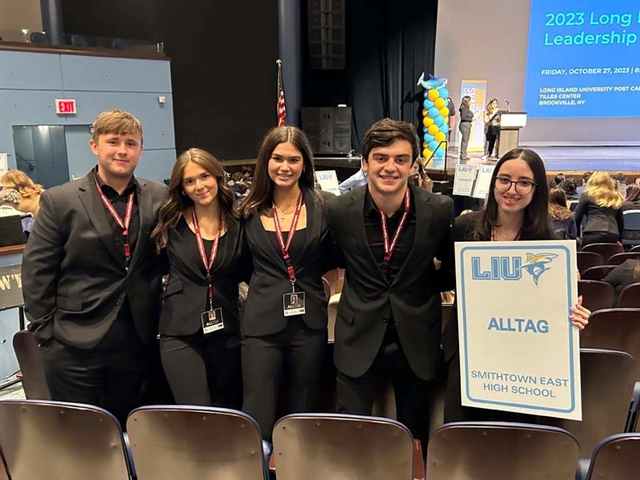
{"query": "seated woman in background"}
(632, 200)
(29, 191)
(563, 223)
(599, 206)
(10, 200)
(624, 274)
(571, 189)
(419, 176)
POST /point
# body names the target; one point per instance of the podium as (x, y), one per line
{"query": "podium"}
(510, 125)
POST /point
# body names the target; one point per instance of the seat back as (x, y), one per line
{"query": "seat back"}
(620, 258)
(607, 384)
(635, 249)
(501, 451)
(616, 457)
(596, 273)
(588, 260)
(31, 364)
(614, 329)
(59, 440)
(630, 296)
(596, 294)
(631, 227)
(604, 249)
(341, 447)
(195, 443)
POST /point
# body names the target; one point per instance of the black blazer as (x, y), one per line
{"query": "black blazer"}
(413, 298)
(621, 276)
(263, 309)
(73, 275)
(186, 296)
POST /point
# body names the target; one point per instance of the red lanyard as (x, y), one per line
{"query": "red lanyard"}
(292, 231)
(203, 253)
(388, 249)
(123, 224)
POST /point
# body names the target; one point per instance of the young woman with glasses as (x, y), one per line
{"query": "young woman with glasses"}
(517, 209)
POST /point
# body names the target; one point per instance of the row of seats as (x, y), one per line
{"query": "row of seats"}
(56, 440)
(598, 295)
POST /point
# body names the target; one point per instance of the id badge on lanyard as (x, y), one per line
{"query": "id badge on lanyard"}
(292, 303)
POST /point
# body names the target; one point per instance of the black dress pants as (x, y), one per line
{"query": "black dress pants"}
(110, 375)
(293, 359)
(356, 395)
(204, 369)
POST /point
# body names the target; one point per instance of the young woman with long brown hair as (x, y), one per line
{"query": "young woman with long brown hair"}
(284, 323)
(199, 326)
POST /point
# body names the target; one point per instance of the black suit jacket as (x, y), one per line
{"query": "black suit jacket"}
(263, 309)
(73, 275)
(368, 298)
(186, 296)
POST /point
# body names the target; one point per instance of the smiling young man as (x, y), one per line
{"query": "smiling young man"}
(91, 279)
(389, 315)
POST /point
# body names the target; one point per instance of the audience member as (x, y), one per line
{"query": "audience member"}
(517, 209)
(199, 324)
(29, 192)
(570, 189)
(599, 206)
(626, 273)
(563, 222)
(621, 182)
(284, 323)
(10, 200)
(583, 185)
(418, 176)
(389, 315)
(92, 280)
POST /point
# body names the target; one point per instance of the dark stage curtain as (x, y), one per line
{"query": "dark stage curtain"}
(389, 44)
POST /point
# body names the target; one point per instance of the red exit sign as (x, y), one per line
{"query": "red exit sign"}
(65, 106)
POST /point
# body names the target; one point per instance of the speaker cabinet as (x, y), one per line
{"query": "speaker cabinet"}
(328, 129)
(326, 34)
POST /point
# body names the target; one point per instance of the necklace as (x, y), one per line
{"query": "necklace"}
(282, 214)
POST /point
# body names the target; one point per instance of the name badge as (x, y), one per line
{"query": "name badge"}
(212, 321)
(293, 304)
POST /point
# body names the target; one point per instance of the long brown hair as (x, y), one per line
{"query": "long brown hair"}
(177, 203)
(636, 272)
(260, 196)
(558, 210)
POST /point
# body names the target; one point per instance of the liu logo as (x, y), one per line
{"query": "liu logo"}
(511, 268)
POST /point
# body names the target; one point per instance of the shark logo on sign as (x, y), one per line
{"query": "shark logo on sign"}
(536, 265)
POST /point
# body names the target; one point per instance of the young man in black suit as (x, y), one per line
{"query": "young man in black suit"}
(91, 278)
(389, 317)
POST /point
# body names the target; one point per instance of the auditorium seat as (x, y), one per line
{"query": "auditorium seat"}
(616, 458)
(631, 225)
(606, 250)
(61, 441)
(340, 447)
(195, 443)
(614, 329)
(588, 260)
(630, 296)
(635, 249)
(596, 273)
(29, 358)
(596, 294)
(501, 451)
(620, 258)
(608, 378)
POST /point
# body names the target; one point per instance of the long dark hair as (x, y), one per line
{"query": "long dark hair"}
(177, 203)
(535, 225)
(465, 101)
(558, 205)
(260, 196)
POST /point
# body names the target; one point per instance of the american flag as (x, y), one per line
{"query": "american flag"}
(281, 108)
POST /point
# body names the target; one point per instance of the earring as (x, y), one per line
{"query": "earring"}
(183, 193)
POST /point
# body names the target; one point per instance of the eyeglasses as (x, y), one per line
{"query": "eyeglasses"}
(523, 187)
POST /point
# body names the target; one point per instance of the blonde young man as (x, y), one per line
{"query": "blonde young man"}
(91, 279)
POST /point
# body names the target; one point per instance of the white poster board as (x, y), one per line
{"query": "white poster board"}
(463, 180)
(4, 164)
(483, 181)
(518, 349)
(328, 181)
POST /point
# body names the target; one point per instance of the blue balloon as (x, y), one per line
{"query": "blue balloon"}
(427, 136)
(433, 145)
(444, 93)
(440, 152)
(444, 128)
(438, 120)
(433, 112)
(427, 104)
(426, 94)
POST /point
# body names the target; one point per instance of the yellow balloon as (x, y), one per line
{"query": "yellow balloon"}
(426, 153)
(433, 129)
(433, 94)
(424, 144)
(424, 112)
(440, 136)
(427, 121)
(439, 103)
(444, 111)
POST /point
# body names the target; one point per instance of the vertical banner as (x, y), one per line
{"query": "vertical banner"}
(477, 90)
(517, 353)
